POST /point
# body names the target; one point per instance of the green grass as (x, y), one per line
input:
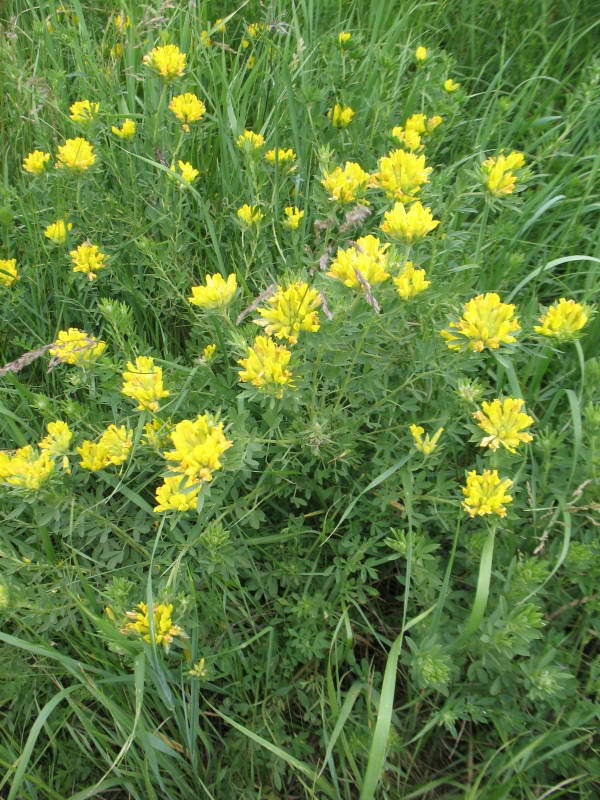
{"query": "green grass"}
(362, 637)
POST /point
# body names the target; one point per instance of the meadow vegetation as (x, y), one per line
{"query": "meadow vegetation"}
(299, 400)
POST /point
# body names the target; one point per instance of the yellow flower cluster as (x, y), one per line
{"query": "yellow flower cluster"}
(408, 225)
(486, 322)
(35, 162)
(112, 448)
(368, 255)
(87, 258)
(503, 421)
(161, 626)
(250, 141)
(25, 468)
(265, 366)
(76, 347)
(281, 156)
(216, 293)
(421, 53)
(187, 172)
(563, 320)
(340, 116)
(401, 175)
(143, 382)
(451, 85)
(410, 282)
(293, 217)
(8, 271)
(187, 108)
(167, 60)
(250, 215)
(122, 22)
(198, 445)
(56, 442)
(343, 38)
(414, 128)
(57, 231)
(290, 311)
(126, 131)
(75, 154)
(83, 111)
(499, 179)
(177, 493)
(486, 493)
(426, 444)
(348, 184)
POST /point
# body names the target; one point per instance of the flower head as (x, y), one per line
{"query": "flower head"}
(187, 172)
(498, 178)
(35, 162)
(283, 157)
(433, 122)
(250, 215)
(503, 421)
(265, 366)
(126, 131)
(402, 174)
(410, 281)
(177, 493)
(408, 137)
(563, 320)
(198, 445)
(347, 184)
(57, 231)
(144, 383)
(486, 493)
(76, 347)
(167, 60)
(187, 108)
(8, 271)
(421, 53)
(451, 85)
(112, 448)
(486, 322)
(217, 292)
(340, 116)
(208, 353)
(58, 439)
(25, 468)
(83, 111)
(426, 444)
(343, 38)
(161, 628)
(290, 311)
(408, 225)
(76, 154)
(293, 216)
(87, 258)
(122, 22)
(250, 141)
(368, 255)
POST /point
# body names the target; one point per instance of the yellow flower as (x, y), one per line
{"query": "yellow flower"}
(402, 174)
(421, 53)
(344, 38)
(8, 271)
(57, 442)
(409, 137)
(112, 448)
(290, 311)
(83, 111)
(76, 154)
(205, 39)
(198, 445)
(156, 434)
(347, 184)
(25, 468)
(251, 62)
(167, 60)
(162, 623)
(280, 156)
(486, 493)
(250, 141)
(177, 493)
(209, 353)
(126, 131)
(35, 162)
(122, 22)
(116, 50)
(450, 85)
(245, 44)
(410, 281)
(254, 28)
(57, 231)
(499, 180)
(425, 444)
(87, 258)
(416, 122)
(408, 225)
(433, 122)
(503, 421)
(368, 256)
(187, 108)
(563, 320)
(76, 347)
(144, 383)
(217, 293)
(187, 171)
(250, 215)
(265, 366)
(486, 322)
(340, 116)
(292, 217)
